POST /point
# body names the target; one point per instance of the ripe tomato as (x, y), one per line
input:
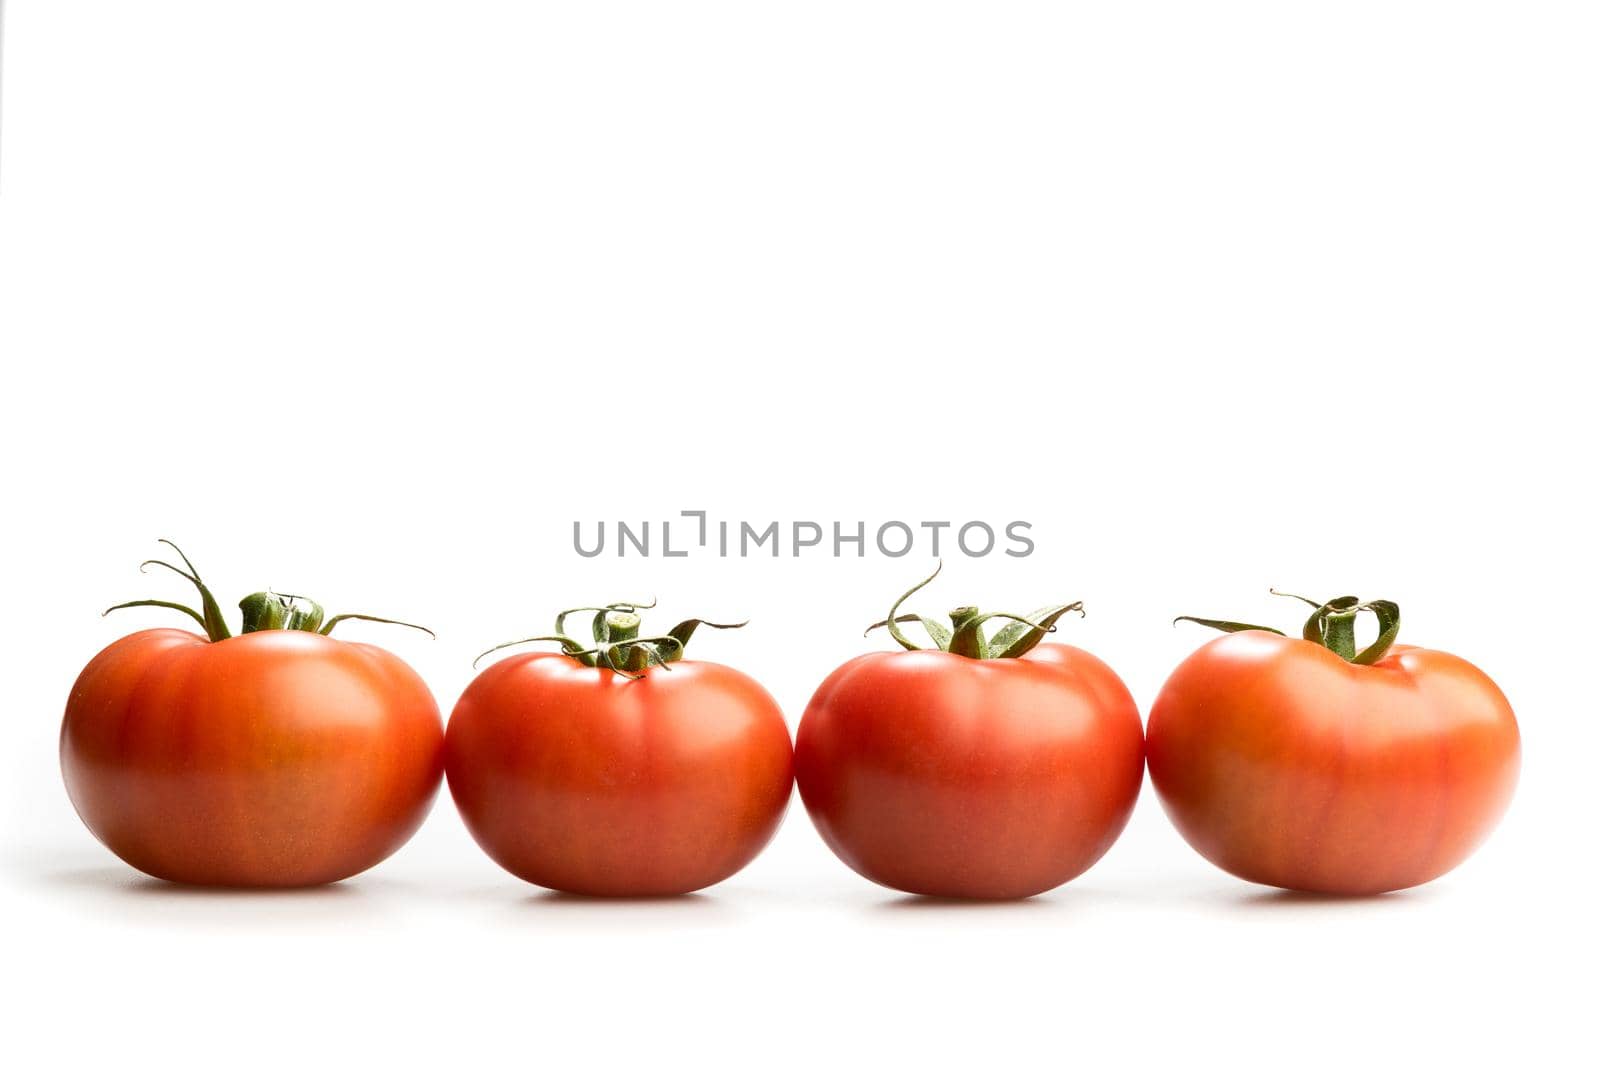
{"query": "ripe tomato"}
(1303, 764)
(620, 770)
(280, 757)
(983, 769)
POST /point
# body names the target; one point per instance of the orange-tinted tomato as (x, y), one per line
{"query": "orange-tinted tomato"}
(271, 759)
(1286, 765)
(934, 773)
(579, 779)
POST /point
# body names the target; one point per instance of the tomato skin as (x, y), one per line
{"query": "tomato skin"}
(937, 774)
(271, 759)
(581, 780)
(1285, 765)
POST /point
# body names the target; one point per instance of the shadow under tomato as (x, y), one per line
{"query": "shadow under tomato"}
(118, 894)
(577, 912)
(1273, 898)
(926, 903)
(161, 888)
(124, 880)
(563, 899)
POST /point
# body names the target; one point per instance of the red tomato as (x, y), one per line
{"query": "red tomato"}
(583, 779)
(275, 758)
(943, 774)
(935, 774)
(1285, 763)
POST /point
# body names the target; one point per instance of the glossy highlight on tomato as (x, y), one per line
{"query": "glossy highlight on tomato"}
(274, 758)
(986, 768)
(622, 770)
(1303, 764)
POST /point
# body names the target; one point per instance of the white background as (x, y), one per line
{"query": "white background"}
(372, 300)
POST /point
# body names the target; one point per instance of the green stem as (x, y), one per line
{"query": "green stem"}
(279, 611)
(618, 646)
(892, 620)
(1388, 614)
(327, 628)
(260, 611)
(619, 626)
(1339, 633)
(1332, 625)
(965, 635)
(185, 609)
(211, 614)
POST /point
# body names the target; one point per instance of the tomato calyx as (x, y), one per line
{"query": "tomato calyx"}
(1332, 625)
(617, 645)
(261, 611)
(964, 636)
